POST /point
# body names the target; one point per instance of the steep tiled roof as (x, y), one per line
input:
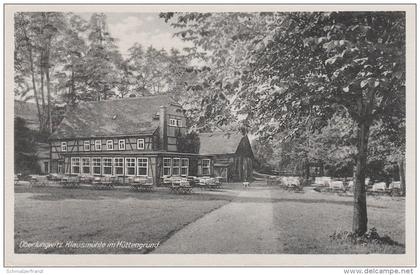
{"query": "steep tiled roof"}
(219, 143)
(122, 117)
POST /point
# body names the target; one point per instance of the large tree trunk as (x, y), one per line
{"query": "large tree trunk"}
(401, 169)
(42, 71)
(47, 76)
(360, 211)
(47, 73)
(31, 62)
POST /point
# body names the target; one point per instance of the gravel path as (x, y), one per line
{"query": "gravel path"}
(243, 226)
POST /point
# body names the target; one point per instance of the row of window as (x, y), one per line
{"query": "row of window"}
(109, 145)
(129, 166)
(175, 166)
(110, 166)
(175, 122)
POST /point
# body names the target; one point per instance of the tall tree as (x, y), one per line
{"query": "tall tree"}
(300, 66)
(102, 60)
(37, 40)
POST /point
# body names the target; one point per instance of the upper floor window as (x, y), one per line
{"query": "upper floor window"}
(140, 144)
(173, 122)
(121, 144)
(98, 145)
(64, 146)
(110, 144)
(86, 145)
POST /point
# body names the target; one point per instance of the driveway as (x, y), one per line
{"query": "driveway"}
(245, 225)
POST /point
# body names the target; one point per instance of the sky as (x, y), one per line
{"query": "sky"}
(143, 28)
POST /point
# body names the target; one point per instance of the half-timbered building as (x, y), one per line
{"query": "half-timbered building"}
(133, 137)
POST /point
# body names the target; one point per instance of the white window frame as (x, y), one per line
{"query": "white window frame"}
(126, 166)
(95, 166)
(73, 165)
(64, 146)
(173, 122)
(167, 167)
(116, 162)
(98, 145)
(176, 167)
(140, 141)
(86, 145)
(121, 142)
(185, 166)
(110, 142)
(83, 165)
(205, 166)
(106, 166)
(141, 161)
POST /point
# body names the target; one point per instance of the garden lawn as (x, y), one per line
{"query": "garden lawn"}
(82, 216)
(304, 222)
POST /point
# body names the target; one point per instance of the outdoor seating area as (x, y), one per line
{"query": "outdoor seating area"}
(209, 183)
(178, 185)
(38, 181)
(70, 181)
(143, 184)
(103, 182)
(285, 182)
(55, 177)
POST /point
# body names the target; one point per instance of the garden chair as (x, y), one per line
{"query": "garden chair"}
(38, 181)
(142, 184)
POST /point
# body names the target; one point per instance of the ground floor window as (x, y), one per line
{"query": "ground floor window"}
(142, 166)
(176, 166)
(75, 165)
(118, 166)
(167, 164)
(184, 167)
(96, 166)
(130, 166)
(86, 165)
(107, 166)
(206, 166)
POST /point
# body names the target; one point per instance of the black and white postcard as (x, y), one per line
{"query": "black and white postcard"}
(202, 135)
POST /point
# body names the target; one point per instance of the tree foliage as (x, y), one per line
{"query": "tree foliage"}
(294, 71)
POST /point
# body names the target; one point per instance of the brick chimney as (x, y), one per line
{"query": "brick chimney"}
(163, 135)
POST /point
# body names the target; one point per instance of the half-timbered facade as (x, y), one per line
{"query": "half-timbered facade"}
(126, 137)
(139, 137)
